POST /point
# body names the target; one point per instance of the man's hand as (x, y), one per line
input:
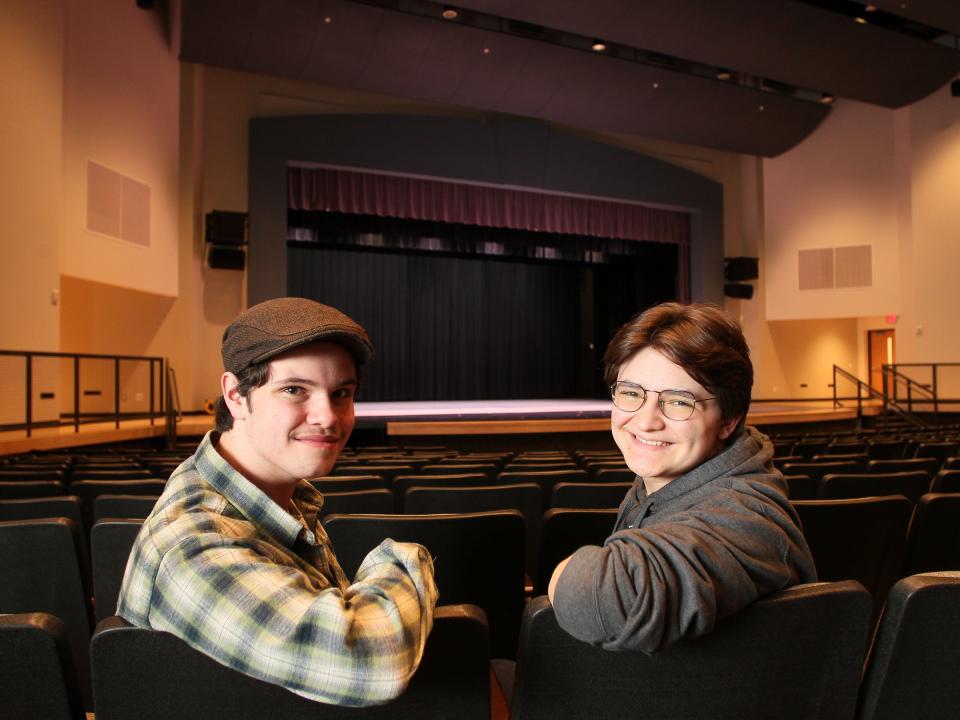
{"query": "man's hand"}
(556, 576)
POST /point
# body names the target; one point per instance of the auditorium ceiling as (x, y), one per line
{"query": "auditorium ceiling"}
(750, 76)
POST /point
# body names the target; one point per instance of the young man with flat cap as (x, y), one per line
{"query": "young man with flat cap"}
(233, 560)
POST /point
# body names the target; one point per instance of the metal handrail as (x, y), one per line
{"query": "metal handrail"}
(174, 415)
(156, 368)
(893, 378)
(888, 403)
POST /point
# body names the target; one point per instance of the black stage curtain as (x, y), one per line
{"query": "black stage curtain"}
(473, 326)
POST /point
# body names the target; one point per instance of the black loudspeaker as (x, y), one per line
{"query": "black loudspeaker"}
(226, 258)
(955, 88)
(226, 228)
(738, 269)
(738, 290)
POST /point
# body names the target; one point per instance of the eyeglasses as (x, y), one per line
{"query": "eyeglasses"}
(674, 404)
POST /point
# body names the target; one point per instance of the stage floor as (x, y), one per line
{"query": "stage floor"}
(437, 418)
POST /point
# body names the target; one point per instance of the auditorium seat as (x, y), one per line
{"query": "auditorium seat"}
(886, 449)
(123, 506)
(861, 539)
(40, 572)
(912, 668)
(545, 479)
(522, 497)
(111, 540)
(860, 459)
(909, 484)
(10, 473)
(928, 465)
(563, 531)
(150, 675)
(588, 496)
(21, 489)
(614, 475)
(65, 506)
(402, 483)
(938, 450)
(349, 483)
(488, 469)
(88, 490)
(110, 475)
(793, 655)
(37, 671)
(801, 487)
(817, 470)
(808, 447)
(933, 540)
(375, 501)
(387, 472)
(478, 558)
(946, 481)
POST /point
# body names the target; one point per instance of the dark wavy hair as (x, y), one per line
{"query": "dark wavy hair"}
(248, 379)
(701, 339)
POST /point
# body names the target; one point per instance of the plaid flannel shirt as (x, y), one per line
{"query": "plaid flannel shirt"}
(223, 567)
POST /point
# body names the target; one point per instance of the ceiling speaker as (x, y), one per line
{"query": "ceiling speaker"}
(738, 269)
(226, 258)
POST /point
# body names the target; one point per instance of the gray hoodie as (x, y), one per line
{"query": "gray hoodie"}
(702, 547)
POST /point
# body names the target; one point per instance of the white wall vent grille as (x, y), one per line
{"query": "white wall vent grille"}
(117, 205)
(853, 266)
(842, 267)
(816, 269)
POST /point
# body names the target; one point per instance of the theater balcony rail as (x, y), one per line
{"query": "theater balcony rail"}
(52, 389)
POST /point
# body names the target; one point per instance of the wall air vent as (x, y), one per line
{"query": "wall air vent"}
(829, 268)
(117, 206)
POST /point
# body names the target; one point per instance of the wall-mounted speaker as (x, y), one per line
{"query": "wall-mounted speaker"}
(738, 290)
(226, 258)
(226, 228)
(738, 269)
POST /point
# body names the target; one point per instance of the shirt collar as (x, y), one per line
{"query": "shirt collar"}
(253, 503)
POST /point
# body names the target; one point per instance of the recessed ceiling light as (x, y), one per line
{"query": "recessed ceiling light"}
(486, 51)
(723, 74)
(827, 98)
(598, 46)
(450, 13)
(862, 21)
(870, 7)
(761, 108)
(328, 19)
(656, 85)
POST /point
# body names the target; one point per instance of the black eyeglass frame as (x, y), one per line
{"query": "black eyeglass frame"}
(643, 399)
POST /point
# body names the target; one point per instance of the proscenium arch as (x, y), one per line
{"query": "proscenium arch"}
(500, 150)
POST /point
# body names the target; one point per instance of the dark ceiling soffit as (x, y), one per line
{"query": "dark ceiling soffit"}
(785, 41)
(375, 50)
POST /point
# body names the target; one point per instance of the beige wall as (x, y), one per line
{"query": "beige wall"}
(837, 188)
(31, 58)
(120, 110)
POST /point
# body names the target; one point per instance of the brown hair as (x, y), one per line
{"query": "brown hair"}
(248, 379)
(701, 339)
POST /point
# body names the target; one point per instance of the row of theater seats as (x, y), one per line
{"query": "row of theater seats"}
(940, 443)
(800, 654)
(844, 479)
(480, 557)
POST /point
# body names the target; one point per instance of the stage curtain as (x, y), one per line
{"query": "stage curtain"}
(367, 193)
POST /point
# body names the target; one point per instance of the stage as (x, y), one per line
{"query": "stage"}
(457, 424)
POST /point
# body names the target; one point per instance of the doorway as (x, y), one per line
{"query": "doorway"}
(880, 352)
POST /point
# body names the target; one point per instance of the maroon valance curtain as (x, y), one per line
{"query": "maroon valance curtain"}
(347, 191)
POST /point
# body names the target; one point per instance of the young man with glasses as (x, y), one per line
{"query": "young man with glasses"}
(707, 527)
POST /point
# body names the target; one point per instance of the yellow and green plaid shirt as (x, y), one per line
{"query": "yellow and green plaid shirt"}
(260, 590)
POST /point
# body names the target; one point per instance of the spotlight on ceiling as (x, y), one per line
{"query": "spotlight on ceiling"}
(870, 7)
(723, 74)
(861, 20)
(450, 13)
(827, 98)
(598, 46)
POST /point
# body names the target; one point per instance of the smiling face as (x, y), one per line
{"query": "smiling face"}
(296, 424)
(658, 449)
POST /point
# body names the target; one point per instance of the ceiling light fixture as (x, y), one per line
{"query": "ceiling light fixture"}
(328, 19)
(598, 46)
(723, 74)
(870, 7)
(861, 20)
(450, 13)
(827, 98)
